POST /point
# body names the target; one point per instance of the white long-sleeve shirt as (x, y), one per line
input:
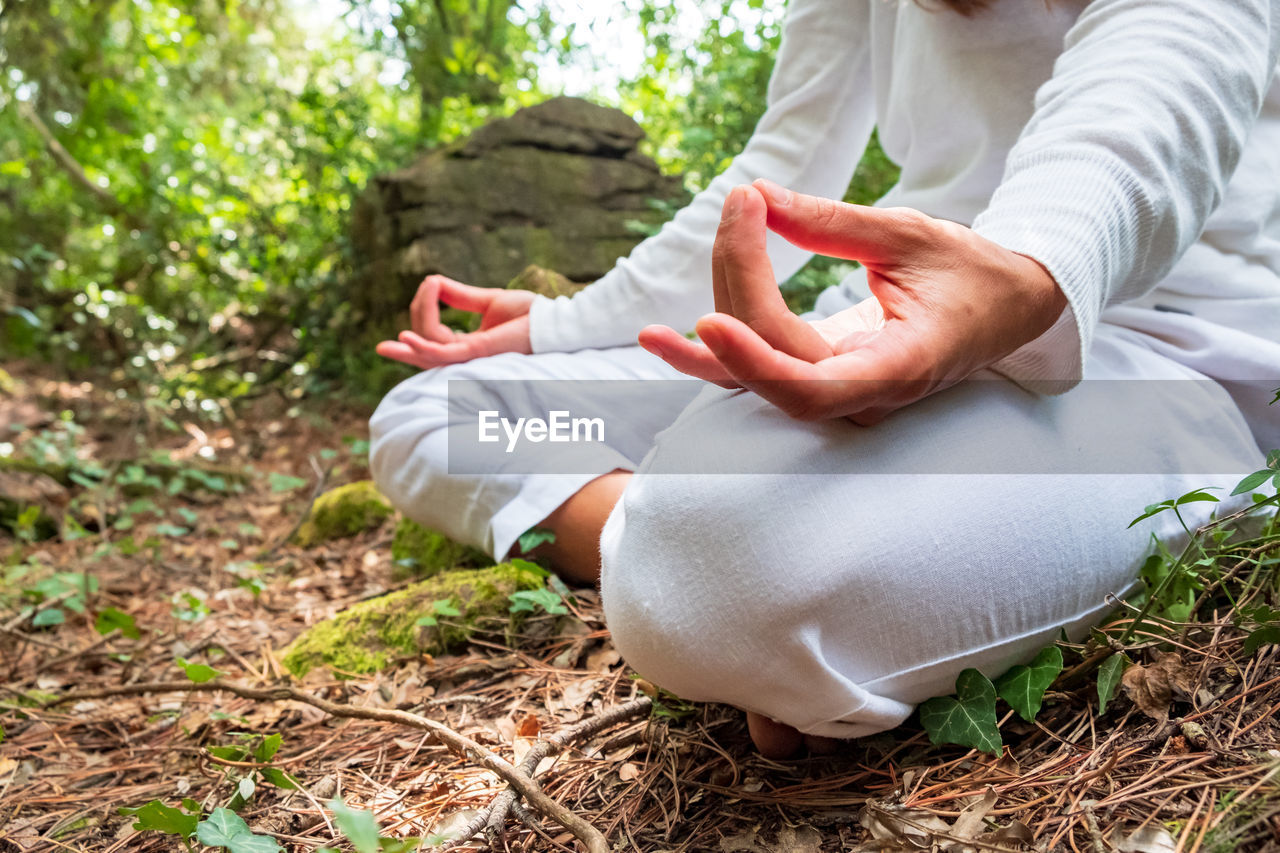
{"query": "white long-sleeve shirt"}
(1130, 146)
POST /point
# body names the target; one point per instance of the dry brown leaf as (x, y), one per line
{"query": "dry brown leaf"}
(970, 822)
(628, 771)
(1152, 687)
(1148, 839)
(909, 826)
(529, 726)
(743, 842)
(1012, 836)
(799, 839)
(602, 660)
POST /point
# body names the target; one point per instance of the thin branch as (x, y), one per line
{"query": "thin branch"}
(491, 819)
(68, 163)
(459, 744)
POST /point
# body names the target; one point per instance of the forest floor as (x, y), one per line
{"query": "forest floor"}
(189, 547)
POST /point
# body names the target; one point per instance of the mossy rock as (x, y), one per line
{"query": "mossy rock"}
(421, 552)
(544, 282)
(344, 511)
(370, 635)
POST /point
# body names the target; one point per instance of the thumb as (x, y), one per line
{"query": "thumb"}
(744, 283)
(855, 232)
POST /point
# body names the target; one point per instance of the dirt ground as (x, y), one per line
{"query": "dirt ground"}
(204, 572)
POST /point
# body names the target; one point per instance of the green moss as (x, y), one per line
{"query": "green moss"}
(372, 634)
(344, 511)
(422, 552)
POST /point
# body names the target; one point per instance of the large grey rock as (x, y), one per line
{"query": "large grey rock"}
(561, 185)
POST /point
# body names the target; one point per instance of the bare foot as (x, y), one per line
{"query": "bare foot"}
(778, 740)
(774, 740)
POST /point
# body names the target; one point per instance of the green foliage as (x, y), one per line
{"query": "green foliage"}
(176, 176)
(533, 537)
(1268, 634)
(284, 482)
(69, 589)
(700, 99)
(359, 826)
(1023, 687)
(1109, 678)
(155, 816)
(968, 718)
(529, 600)
(439, 607)
(466, 58)
(1257, 478)
(111, 619)
(1196, 496)
(224, 828)
(198, 673)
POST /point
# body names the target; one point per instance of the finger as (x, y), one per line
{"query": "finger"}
(397, 351)
(424, 312)
(789, 383)
(853, 231)
(465, 296)
(740, 263)
(688, 357)
(719, 288)
(499, 339)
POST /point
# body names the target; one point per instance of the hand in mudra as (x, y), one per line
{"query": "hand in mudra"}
(946, 302)
(504, 324)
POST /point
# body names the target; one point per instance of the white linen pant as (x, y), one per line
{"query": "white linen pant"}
(835, 581)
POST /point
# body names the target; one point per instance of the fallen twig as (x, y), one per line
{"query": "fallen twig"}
(463, 746)
(492, 819)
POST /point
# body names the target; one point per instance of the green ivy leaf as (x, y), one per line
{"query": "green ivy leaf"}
(197, 672)
(284, 483)
(532, 538)
(1109, 677)
(111, 619)
(225, 828)
(228, 753)
(49, 617)
(529, 567)
(268, 748)
(444, 607)
(158, 817)
(360, 827)
(968, 718)
(1023, 687)
(173, 531)
(530, 599)
(279, 778)
(1261, 637)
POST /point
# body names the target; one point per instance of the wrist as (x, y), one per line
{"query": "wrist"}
(1043, 299)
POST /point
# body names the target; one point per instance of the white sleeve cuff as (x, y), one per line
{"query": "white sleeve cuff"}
(1078, 217)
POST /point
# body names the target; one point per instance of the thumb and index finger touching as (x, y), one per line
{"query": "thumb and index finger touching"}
(430, 343)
